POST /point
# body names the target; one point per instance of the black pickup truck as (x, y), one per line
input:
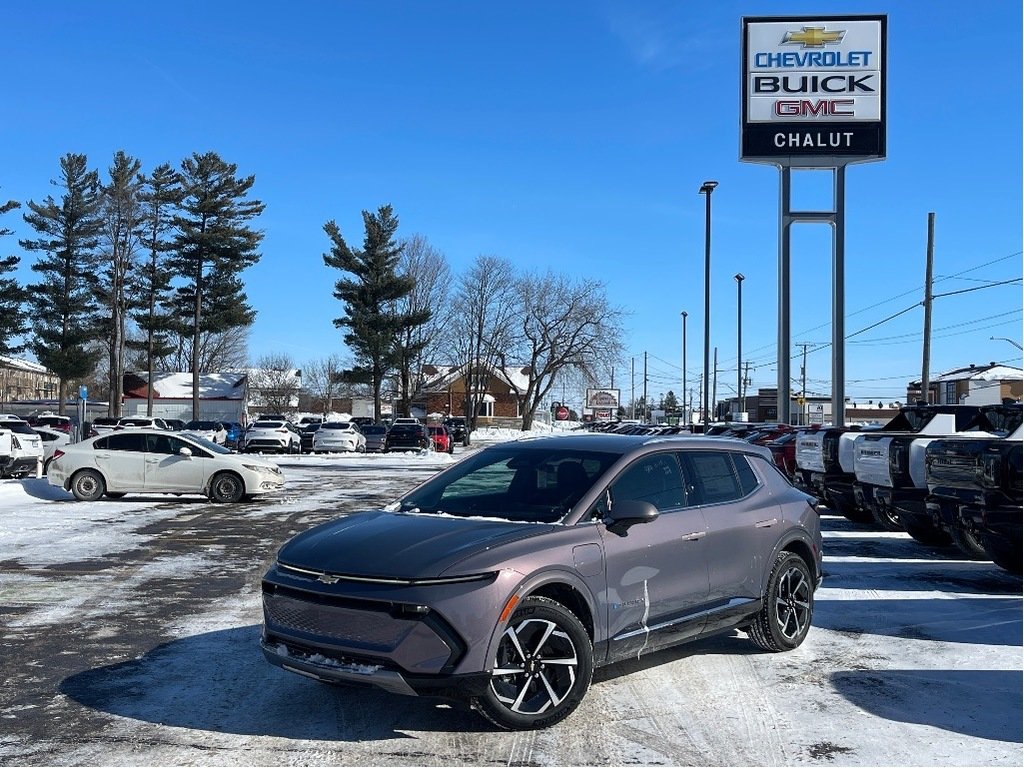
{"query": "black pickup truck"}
(974, 488)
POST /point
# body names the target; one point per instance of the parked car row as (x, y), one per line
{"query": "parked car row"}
(945, 474)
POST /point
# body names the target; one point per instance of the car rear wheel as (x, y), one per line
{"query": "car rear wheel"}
(226, 488)
(88, 485)
(788, 606)
(887, 518)
(542, 668)
(968, 543)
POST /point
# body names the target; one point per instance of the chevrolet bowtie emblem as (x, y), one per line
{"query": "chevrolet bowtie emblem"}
(325, 578)
(813, 37)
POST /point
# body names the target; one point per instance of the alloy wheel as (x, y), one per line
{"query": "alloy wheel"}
(536, 667)
(793, 603)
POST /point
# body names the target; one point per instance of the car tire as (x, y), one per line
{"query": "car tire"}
(46, 465)
(1003, 553)
(852, 512)
(226, 488)
(88, 485)
(969, 543)
(926, 533)
(887, 518)
(114, 495)
(785, 617)
(544, 654)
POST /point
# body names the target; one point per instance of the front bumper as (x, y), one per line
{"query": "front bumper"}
(408, 639)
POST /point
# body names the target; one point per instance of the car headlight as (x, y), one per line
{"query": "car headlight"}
(258, 468)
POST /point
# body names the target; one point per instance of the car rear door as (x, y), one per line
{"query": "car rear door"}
(657, 572)
(743, 526)
(120, 458)
(168, 470)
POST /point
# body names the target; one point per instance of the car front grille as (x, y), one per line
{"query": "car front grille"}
(369, 629)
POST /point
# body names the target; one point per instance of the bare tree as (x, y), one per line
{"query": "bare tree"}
(563, 325)
(430, 294)
(322, 379)
(224, 351)
(274, 382)
(482, 328)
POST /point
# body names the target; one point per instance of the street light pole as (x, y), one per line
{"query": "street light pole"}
(1003, 338)
(706, 189)
(739, 342)
(682, 392)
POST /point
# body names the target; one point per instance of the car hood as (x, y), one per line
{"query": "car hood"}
(397, 545)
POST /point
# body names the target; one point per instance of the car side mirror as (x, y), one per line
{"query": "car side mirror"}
(629, 512)
(187, 453)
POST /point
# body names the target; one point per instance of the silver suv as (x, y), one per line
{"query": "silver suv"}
(509, 577)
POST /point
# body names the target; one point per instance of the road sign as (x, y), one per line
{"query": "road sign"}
(83, 392)
(562, 413)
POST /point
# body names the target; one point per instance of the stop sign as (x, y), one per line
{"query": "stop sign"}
(562, 413)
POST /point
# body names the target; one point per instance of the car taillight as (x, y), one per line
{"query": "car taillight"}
(897, 460)
(58, 453)
(281, 431)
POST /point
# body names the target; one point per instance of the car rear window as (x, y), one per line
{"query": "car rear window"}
(268, 425)
(121, 441)
(105, 420)
(337, 425)
(21, 427)
(405, 429)
(373, 429)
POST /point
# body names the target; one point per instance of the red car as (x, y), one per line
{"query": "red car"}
(441, 438)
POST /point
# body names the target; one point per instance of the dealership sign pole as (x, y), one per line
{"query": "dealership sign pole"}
(814, 97)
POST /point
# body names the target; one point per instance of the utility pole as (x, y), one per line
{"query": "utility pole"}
(714, 387)
(927, 352)
(646, 407)
(632, 387)
(803, 385)
(746, 382)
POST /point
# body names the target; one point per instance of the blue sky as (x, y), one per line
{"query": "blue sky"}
(569, 135)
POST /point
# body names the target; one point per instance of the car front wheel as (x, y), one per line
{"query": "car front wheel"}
(542, 668)
(785, 616)
(88, 485)
(226, 488)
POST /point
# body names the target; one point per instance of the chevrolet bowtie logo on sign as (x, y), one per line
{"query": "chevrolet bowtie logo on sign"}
(813, 90)
(813, 37)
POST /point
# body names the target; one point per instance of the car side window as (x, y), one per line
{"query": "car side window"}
(126, 441)
(656, 479)
(748, 480)
(715, 476)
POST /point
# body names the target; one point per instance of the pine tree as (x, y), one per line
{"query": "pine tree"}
(121, 240)
(160, 195)
(12, 297)
(65, 313)
(213, 246)
(369, 296)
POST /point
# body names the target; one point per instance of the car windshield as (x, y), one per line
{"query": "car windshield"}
(204, 443)
(513, 483)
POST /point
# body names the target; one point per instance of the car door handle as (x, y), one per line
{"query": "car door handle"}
(766, 523)
(695, 536)
(152, 461)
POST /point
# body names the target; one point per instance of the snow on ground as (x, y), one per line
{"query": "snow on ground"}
(130, 636)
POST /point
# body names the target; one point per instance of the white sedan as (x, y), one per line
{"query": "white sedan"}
(335, 436)
(154, 461)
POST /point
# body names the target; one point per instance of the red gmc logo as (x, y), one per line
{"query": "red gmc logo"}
(814, 107)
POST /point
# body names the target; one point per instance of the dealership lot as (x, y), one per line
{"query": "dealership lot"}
(130, 636)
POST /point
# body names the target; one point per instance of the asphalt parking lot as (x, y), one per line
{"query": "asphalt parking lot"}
(129, 636)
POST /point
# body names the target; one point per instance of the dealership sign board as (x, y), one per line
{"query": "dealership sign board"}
(814, 90)
(602, 398)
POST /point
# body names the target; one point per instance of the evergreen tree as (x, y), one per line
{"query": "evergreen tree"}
(213, 246)
(65, 313)
(160, 195)
(12, 297)
(373, 323)
(121, 240)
